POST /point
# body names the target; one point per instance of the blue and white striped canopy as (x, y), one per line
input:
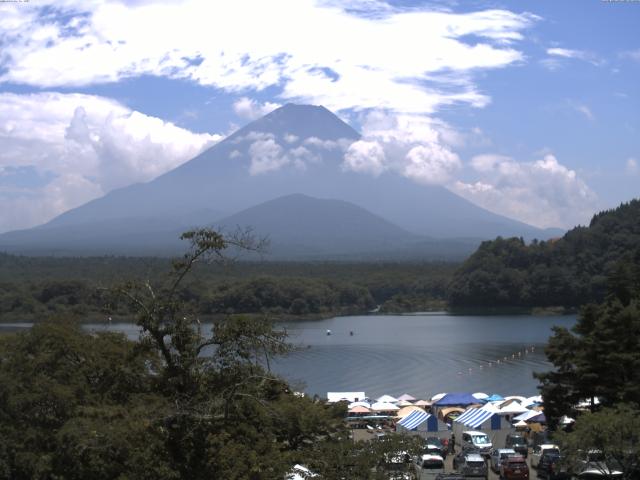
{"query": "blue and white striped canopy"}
(474, 417)
(414, 419)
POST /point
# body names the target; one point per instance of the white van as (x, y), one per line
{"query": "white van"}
(428, 466)
(479, 440)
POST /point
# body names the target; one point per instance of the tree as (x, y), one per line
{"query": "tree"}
(612, 435)
(600, 356)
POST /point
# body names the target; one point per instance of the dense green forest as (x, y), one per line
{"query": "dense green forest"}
(568, 272)
(32, 288)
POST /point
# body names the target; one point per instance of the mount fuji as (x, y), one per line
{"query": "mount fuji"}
(282, 175)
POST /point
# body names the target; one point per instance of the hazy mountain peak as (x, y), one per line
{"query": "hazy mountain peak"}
(301, 121)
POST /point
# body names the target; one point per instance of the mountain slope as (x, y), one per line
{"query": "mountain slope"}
(294, 149)
(298, 224)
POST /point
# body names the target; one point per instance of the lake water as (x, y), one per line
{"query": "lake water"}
(418, 354)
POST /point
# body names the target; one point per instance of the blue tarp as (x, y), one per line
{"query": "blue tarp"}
(414, 419)
(455, 399)
(494, 398)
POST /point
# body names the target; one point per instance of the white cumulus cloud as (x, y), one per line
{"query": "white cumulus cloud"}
(543, 193)
(89, 145)
(407, 145)
(365, 156)
(412, 54)
(250, 109)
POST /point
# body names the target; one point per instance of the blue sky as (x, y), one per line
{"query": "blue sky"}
(530, 109)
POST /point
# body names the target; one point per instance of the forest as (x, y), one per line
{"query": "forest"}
(568, 272)
(32, 288)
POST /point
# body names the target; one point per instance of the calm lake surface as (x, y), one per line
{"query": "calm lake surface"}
(420, 354)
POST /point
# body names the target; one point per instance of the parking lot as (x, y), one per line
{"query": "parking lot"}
(492, 476)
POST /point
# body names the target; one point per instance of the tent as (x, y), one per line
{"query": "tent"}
(350, 397)
(384, 407)
(423, 403)
(406, 397)
(421, 423)
(387, 399)
(525, 416)
(486, 419)
(539, 418)
(481, 396)
(359, 404)
(519, 398)
(456, 399)
(513, 408)
(536, 399)
(404, 403)
(403, 412)
(359, 410)
(494, 398)
(437, 397)
(446, 414)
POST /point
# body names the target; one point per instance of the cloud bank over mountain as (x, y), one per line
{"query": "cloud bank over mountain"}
(85, 146)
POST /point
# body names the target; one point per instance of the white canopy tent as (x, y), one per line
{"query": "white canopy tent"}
(384, 407)
(513, 408)
(387, 399)
(333, 397)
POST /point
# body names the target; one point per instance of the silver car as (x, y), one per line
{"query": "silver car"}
(473, 466)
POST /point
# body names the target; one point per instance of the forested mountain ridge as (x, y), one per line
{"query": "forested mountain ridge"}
(569, 271)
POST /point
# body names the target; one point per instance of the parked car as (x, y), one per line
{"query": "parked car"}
(514, 468)
(434, 446)
(539, 450)
(497, 455)
(596, 467)
(550, 467)
(427, 467)
(471, 465)
(518, 443)
(459, 457)
(299, 472)
(397, 466)
(479, 440)
(599, 471)
(450, 476)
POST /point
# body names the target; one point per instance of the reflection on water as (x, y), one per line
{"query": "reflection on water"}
(418, 354)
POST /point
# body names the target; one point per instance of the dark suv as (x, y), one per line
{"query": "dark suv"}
(551, 468)
(518, 443)
(471, 465)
